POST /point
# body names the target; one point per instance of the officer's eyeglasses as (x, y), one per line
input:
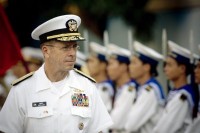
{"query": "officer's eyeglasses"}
(67, 47)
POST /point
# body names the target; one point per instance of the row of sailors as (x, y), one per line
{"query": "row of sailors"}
(133, 96)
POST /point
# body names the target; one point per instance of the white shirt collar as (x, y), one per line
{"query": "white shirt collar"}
(43, 83)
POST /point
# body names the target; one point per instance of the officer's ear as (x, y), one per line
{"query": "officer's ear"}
(45, 50)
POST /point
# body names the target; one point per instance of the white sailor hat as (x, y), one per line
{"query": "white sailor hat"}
(61, 28)
(119, 53)
(99, 51)
(33, 55)
(147, 54)
(179, 53)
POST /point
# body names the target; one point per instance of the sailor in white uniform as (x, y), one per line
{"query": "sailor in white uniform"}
(195, 126)
(97, 65)
(145, 111)
(125, 87)
(179, 110)
(56, 98)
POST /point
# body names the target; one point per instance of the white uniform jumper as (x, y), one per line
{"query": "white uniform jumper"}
(106, 91)
(145, 112)
(178, 111)
(125, 96)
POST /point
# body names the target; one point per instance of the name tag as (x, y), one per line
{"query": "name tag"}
(39, 104)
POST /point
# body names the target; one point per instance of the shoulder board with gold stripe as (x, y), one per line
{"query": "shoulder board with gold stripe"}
(148, 88)
(83, 74)
(17, 81)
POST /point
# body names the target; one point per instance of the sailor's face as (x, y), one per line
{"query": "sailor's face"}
(136, 68)
(113, 69)
(172, 69)
(93, 64)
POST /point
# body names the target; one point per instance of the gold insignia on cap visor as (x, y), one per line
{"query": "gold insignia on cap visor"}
(66, 37)
(61, 28)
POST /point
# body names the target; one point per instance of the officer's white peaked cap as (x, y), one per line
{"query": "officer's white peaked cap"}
(61, 28)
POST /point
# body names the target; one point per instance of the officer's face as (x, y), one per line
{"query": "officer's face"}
(113, 69)
(93, 65)
(136, 68)
(60, 55)
(172, 69)
(197, 73)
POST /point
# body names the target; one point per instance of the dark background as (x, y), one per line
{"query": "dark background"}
(25, 15)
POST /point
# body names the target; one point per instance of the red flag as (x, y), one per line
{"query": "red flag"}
(10, 51)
